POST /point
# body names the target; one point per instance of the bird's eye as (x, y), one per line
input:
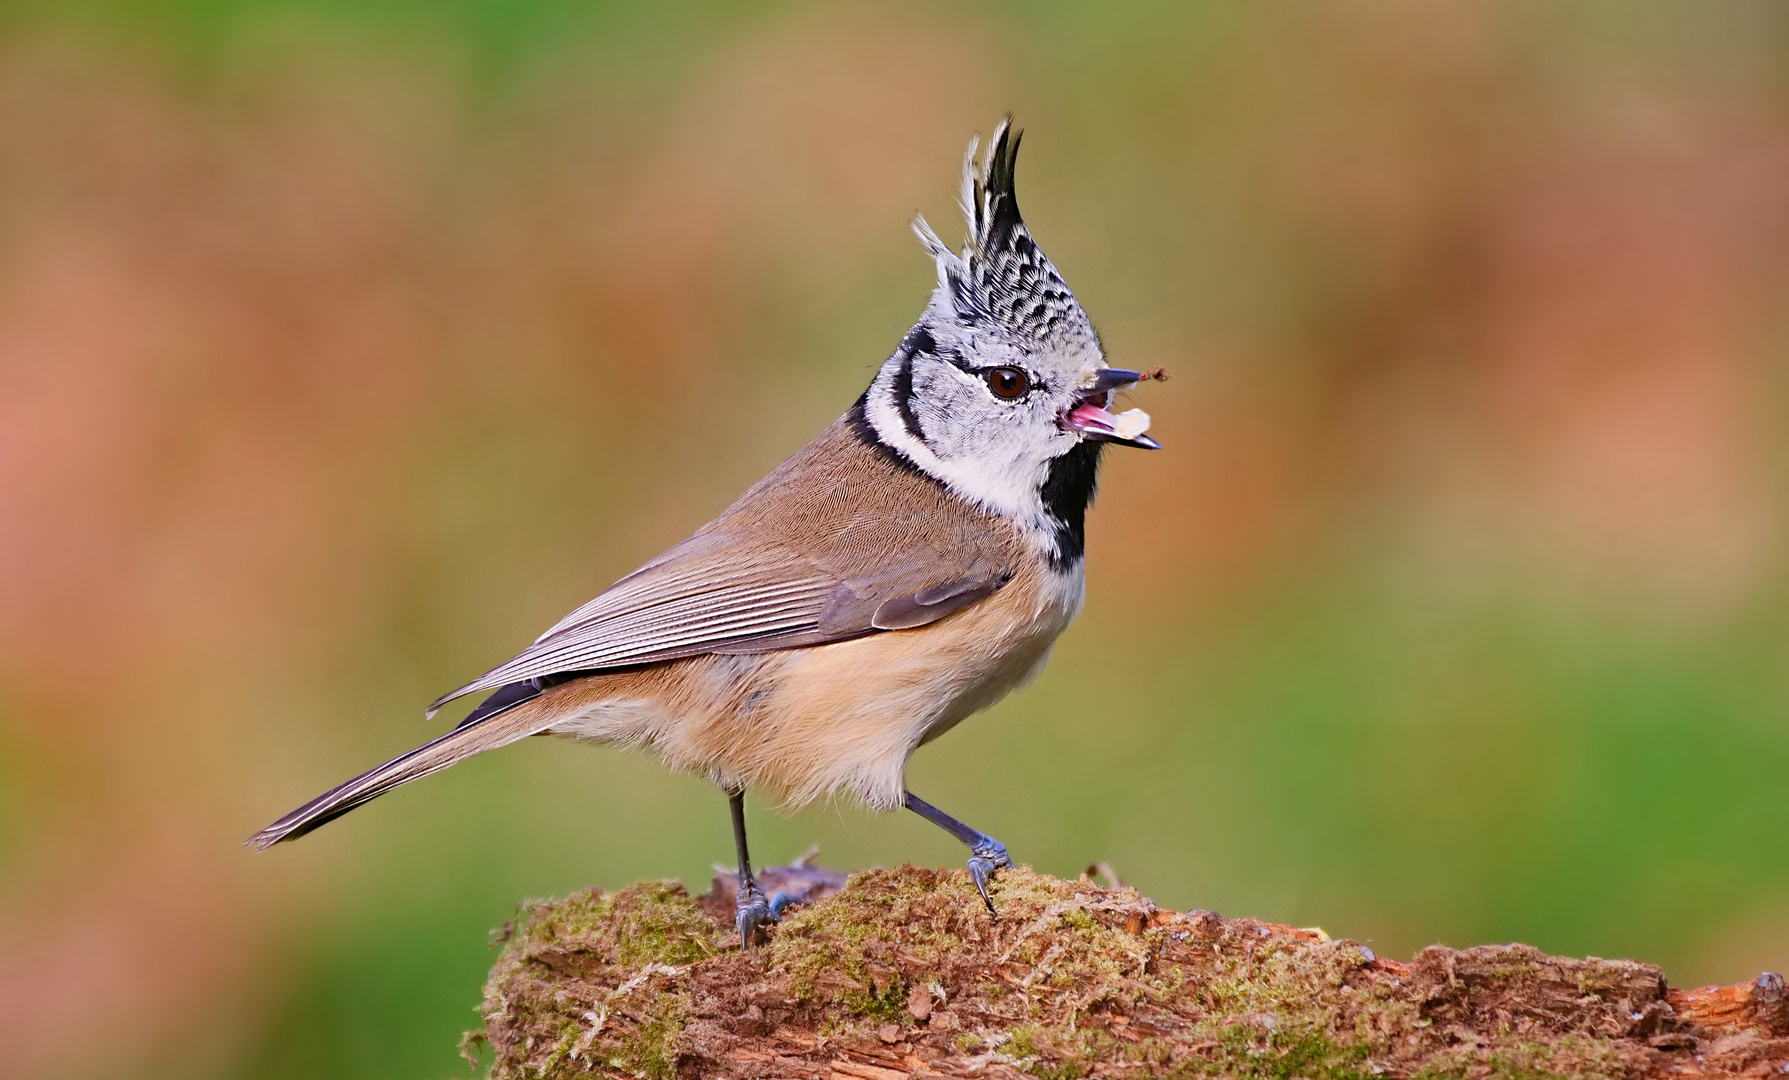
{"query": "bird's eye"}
(1007, 382)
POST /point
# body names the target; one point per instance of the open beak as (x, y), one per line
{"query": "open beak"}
(1089, 417)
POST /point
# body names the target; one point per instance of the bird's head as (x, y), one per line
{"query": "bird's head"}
(1001, 390)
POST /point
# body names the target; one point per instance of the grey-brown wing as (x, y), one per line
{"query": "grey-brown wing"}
(713, 594)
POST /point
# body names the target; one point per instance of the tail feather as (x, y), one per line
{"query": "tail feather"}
(487, 733)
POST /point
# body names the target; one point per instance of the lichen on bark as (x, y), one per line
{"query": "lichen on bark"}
(902, 973)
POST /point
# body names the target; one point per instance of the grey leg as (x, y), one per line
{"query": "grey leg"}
(751, 909)
(986, 854)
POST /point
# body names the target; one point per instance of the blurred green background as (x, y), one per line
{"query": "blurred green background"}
(344, 346)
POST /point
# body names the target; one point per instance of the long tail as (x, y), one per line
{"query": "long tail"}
(484, 733)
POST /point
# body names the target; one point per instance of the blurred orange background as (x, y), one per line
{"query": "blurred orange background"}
(344, 347)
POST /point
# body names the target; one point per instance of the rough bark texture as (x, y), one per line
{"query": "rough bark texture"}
(901, 973)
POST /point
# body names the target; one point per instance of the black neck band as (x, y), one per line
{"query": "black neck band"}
(1066, 494)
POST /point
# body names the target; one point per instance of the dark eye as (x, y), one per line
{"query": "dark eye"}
(1007, 382)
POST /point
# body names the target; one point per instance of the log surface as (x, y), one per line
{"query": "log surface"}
(903, 974)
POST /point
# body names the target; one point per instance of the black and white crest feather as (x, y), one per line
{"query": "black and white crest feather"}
(1001, 276)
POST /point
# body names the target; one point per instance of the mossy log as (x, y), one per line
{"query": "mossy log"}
(902, 973)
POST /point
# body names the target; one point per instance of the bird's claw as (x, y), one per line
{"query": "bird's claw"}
(986, 854)
(753, 912)
(990, 855)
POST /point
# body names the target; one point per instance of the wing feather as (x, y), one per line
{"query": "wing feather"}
(645, 627)
(812, 554)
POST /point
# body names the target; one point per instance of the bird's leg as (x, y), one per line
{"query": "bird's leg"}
(986, 854)
(751, 910)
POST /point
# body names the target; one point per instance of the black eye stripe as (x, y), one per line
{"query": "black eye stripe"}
(955, 359)
(903, 400)
(923, 343)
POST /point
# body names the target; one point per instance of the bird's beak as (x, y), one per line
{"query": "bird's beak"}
(1089, 417)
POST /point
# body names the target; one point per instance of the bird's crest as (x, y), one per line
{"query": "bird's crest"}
(1001, 276)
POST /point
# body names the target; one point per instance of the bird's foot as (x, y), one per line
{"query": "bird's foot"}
(989, 855)
(752, 912)
(986, 854)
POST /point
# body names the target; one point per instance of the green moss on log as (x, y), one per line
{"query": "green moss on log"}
(902, 973)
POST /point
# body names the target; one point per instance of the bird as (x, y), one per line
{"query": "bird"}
(908, 567)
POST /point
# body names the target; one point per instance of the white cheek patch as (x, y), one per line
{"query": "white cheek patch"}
(1003, 479)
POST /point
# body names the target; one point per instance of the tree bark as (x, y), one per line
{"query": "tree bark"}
(902, 973)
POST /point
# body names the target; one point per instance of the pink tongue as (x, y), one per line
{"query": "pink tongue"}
(1091, 415)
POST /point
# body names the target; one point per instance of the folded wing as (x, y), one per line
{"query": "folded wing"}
(806, 558)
